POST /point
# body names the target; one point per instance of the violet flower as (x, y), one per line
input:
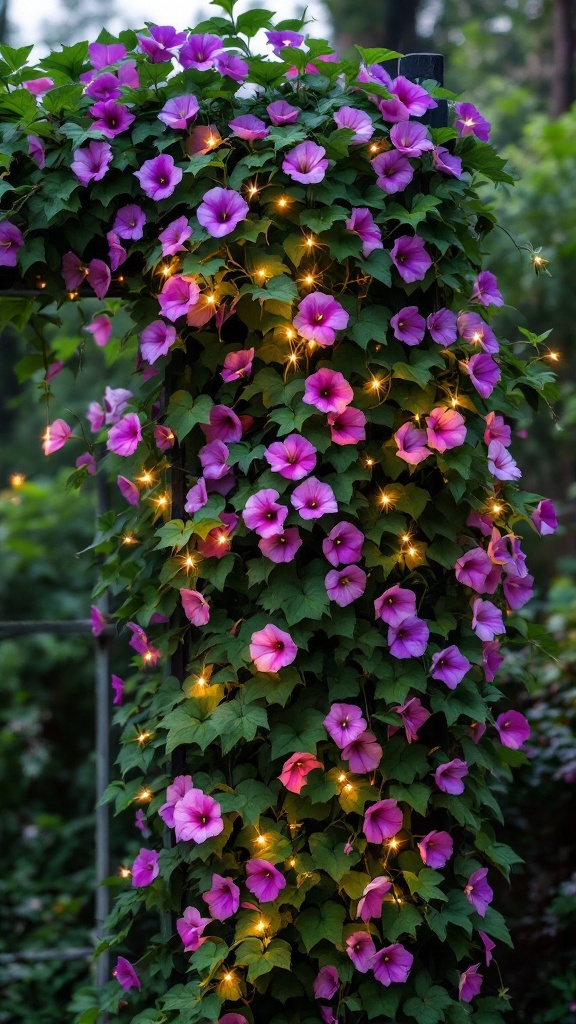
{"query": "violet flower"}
(200, 51)
(491, 658)
(411, 443)
(11, 241)
(361, 223)
(319, 317)
(162, 43)
(104, 87)
(213, 458)
(159, 177)
(475, 330)
(469, 121)
(272, 649)
(410, 258)
(544, 517)
(326, 983)
(409, 639)
(296, 770)
(343, 545)
(197, 817)
(278, 40)
(174, 235)
(446, 428)
(224, 425)
(89, 462)
(382, 820)
(281, 547)
(361, 950)
(445, 162)
(232, 66)
(129, 222)
(497, 430)
(448, 777)
(223, 898)
(469, 984)
(408, 325)
(513, 729)
(145, 868)
(348, 426)
(313, 499)
(501, 464)
(413, 97)
(486, 291)
(483, 372)
(264, 880)
(237, 365)
(345, 585)
(179, 112)
(436, 849)
(518, 590)
(263, 514)
(370, 903)
(442, 327)
(116, 253)
(221, 211)
(293, 458)
(91, 163)
(156, 340)
(128, 490)
(394, 171)
(358, 121)
(488, 946)
(281, 112)
(395, 605)
(36, 151)
(392, 964)
(125, 974)
(473, 569)
(344, 723)
(164, 437)
(305, 163)
(487, 619)
(174, 792)
(410, 139)
(327, 390)
(196, 607)
(39, 86)
(363, 754)
(196, 497)
(125, 436)
(111, 118)
(413, 715)
(178, 294)
(218, 542)
(190, 928)
(449, 666)
(249, 127)
(100, 327)
(478, 892)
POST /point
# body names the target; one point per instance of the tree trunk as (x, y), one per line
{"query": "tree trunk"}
(564, 36)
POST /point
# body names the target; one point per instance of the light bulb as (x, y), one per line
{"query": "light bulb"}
(17, 480)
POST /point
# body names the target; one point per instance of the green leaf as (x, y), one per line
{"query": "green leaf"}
(235, 720)
(188, 724)
(19, 105)
(379, 266)
(15, 57)
(322, 218)
(376, 55)
(260, 959)
(258, 799)
(249, 23)
(430, 1008)
(403, 761)
(69, 61)
(184, 412)
(371, 325)
(400, 919)
(327, 851)
(174, 534)
(416, 795)
(425, 884)
(287, 739)
(456, 911)
(67, 97)
(16, 312)
(318, 923)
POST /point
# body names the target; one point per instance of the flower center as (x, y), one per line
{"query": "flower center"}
(279, 645)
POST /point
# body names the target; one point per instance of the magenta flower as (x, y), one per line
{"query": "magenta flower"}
(98, 621)
(140, 823)
(327, 390)
(469, 121)
(483, 372)
(348, 426)
(116, 253)
(446, 428)
(200, 51)
(413, 715)
(125, 436)
(518, 590)
(128, 490)
(129, 222)
(264, 880)
(196, 607)
(100, 327)
(395, 605)
(408, 325)
(445, 162)
(272, 649)
(196, 497)
(102, 55)
(343, 545)
(486, 620)
(190, 928)
(370, 903)
(305, 163)
(449, 666)
(482, 522)
(179, 112)
(473, 569)
(162, 43)
(362, 224)
(318, 318)
(326, 983)
(213, 457)
(500, 462)
(141, 644)
(345, 585)
(156, 340)
(394, 171)
(488, 946)
(281, 112)
(223, 898)
(293, 458)
(413, 97)
(197, 817)
(442, 327)
(469, 984)
(281, 547)
(237, 365)
(473, 329)
(111, 118)
(375, 74)
(91, 164)
(248, 127)
(218, 542)
(478, 892)
(158, 177)
(11, 241)
(411, 443)
(224, 425)
(96, 416)
(53, 369)
(486, 291)
(145, 868)
(361, 949)
(382, 821)
(313, 499)
(436, 849)
(497, 430)
(448, 777)
(55, 436)
(296, 769)
(39, 86)
(544, 517)
(491, 658)
(344, 724)
(232, 1018)
(125, 974)
(178, 294)
(232, 66)
(363, 754)
(36, 151)
(358, 121)
(410, 139)
(164, 437)
(410, 258)
(513, 729)
(98, 277)
(105, 87)
(115, 402)
(392, 964)
(88, 461)
(174, 235)
(285, 38)
(174, 792)
(476, 731)
(263, 514)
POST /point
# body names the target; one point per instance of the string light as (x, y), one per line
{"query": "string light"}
(144, 796)
(374, 384)
(166, 270)
(143, 737)
(229, 976)
(309, 279)
(261, 926)
(374, 147)
(148, 656)
(454, 401)
(72, 296)
(252, 190)
(17, 480)
(211, 299)
(496, 509)
(211, 141)
(41, 284)
(162, 501)
(261, 840)
(393, 844)
(385, 501)
(128, 539)
(261, 273)
(282, 203)
(292, 862)
(201, 681)
(369, 462)
(412, 552)
(293, 358)
(554, 356)
(146, 478)
(310, 242)
(290, 334)
(406, 538)
(342, 777)
(348, 788)
(124, 872)
(120, 278)
(188, 562)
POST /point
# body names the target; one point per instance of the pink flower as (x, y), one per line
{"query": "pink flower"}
(410, 258)
(36, 151)
(116, 253)
(469, 984)
(102, 55)
(197, 817)
(88, 461)
(491, 659)
(305, 163)
(392, 964)
(158, 177)
(190, 928)
(408, 325)
(411, 443)
(141, 644)
(478, 892)
(362, 224)
(345, 585)
(174, 235)
(178, 294)
(200, 51)
(326, 983)
(313, 499)
(487, 619)
(382, 821)
(296, 769)
(327, 390)
(344, 723)
(125, 974)
(248, 127)
(488, 946)
(39, 86)
(264, 880)
(125, 436)
(223, 898)
(486, 291)
(281, 547)
(96, 416)
(343, 545)
(129, 222)
(224, 425)
(436, 849)
(111, 118)
(370, 903)
(395, 605)
(497, 430)
(394, 171)
(196, 607)
(513, 729)
(221, 211)
(100, 327)
(55, 436)
(293, 458)
(358, 121)
(448, 777)
(319, 317)
(449, 666)
(409, 639)
(145, 868)
(272, 649)
(175, 791)
(473, 569)
(475, 330)
(442, 327)
(164, 437)
(348, 426)
(476, 731)
(410, 139)
(413, 716)
(237, 365)
(91, 164)
(213, 458)
(218, 542)
(363, 754)
(446, 428)
(445, 162)
(11, 241)
(115, 402)
(179, 111)
(544, 517)
(483, 372)
(263, 514)
(98, 620)
(281, 112)
(128, 490)
(414, 98)
(469, 121)
(156, 340)
(361, 949)
(500, 462)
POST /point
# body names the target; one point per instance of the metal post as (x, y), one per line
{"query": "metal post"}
(422, 67)
(102, 747)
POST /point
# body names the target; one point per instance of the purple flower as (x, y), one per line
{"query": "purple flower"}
(213, 457)
(128, 490)
(313, 499)
(491, 658)
(410, 139)
(319, 317)
(102, 55)
(197, 817)
(196, 497)
(163, 41)
(544, 517)
(129, 222)
(486, 291)
(448, 777)
(117, 254)
(221, 210)
(11, 241)
(476, 731)
(125, 436)
(395, 605)
(145, 868)
(285, 38)
(473, 568)
(382, 821)
(190, 928)
(125, 974)
(281, 547)
(487, 619)
(200, 51)
(104, 87)
(326, 983)
(414, 98)
(232, 66)
(392, 964)
(111, 118)
(518, 590)
(281, 112)
(469, 984)
(264, 880)
(483, 372)
(394, 171)
(475, 330)
(362, 224)
(410, 258)
(100, 327)
(196, 607)
(272, 649)
(177, 232)
(375, 74)
(408, 325)
(488, 946)
(500, 462)
(293, 458)
(158, 177)
(178, 294)
(497, 430)
(237, 365)
(89, 462)
(348, 426)
(442, 327)
(36, 151)
(363, 753)
(115, 402)
(344, 723)
(345, 585)
(164, 437)
(358, 121)
(413, 715)
(224, 425)
(263, 514)
(445, 162)
(343, 545)
(411, 443)
(98, 620)
(469, 121)
(436, 849)
(513, 729)
(174, 793)
(156, 340)
(446, 428)
(327, 390)
(449, 666)
(409, 638)
(305, 163)
(179, 112)
(361, 950)
(223, 898)
(248, 127)
(370, 903)
(91, 164)
(478, 892)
